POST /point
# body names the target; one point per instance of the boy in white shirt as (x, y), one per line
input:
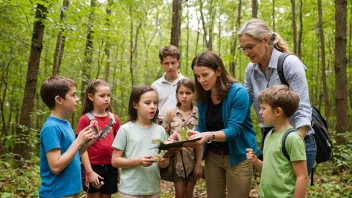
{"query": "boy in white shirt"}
(166, 85)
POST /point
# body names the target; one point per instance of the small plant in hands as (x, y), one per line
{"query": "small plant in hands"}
(95, 126)
(156, 157)
(156, 141)
(183, 134)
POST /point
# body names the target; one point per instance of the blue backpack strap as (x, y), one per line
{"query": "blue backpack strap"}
(283, 144)
(90, 116)
(280, 68)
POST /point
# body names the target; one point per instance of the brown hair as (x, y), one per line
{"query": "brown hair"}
(134, 99)
(92, 89)
(170, 50)
(55, 86)
(280, 96)
(257, 29)
(223, 82)
(186, 82)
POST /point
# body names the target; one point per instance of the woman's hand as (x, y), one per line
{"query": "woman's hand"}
(93, 179)
(194, 135)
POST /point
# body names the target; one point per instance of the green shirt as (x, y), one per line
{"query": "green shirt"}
(135, 142)
(278, 178)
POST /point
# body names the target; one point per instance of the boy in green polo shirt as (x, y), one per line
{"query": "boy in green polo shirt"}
(280, 177)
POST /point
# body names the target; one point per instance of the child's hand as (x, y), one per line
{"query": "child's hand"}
(146, 161)
(197, 172)
(164, 162)
(251, 157)
(93, 179)
(174, 137)
(85, 135)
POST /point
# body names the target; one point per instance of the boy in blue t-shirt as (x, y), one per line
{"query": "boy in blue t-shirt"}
(280, 177)
(60, 169)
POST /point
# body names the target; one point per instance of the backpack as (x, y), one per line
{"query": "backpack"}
(321, 135)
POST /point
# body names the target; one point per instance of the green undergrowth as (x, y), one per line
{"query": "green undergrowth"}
(331, 179)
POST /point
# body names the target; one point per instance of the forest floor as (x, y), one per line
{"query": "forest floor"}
(25, 182)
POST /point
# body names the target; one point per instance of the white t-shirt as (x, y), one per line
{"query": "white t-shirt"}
(135, 142)
(166, 93)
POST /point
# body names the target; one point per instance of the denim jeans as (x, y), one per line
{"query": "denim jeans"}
(311, 151)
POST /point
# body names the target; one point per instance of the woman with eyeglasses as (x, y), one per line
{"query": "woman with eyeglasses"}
(263, 47)
(225, 128)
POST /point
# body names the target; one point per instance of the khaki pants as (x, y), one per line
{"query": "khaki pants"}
(219, 175)
(121, 195)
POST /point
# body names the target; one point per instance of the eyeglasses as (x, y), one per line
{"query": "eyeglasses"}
(248, 47)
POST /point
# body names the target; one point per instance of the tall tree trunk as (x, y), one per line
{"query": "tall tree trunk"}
(323, 68)
(198, 35)
(300, 31)
(340, 70)
(187, 37)
(254, 8)
(233, 48)
(294, 27)
(100, 59)
(133, 46)
(273, 15)
(107, 45)
(350, 67)
(176, 22)
(3, 81)
(88, 52)
(22, 147)
(211, 25)
(205, 34)
(60, 42)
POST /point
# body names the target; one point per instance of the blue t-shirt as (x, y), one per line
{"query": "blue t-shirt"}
(54, 134)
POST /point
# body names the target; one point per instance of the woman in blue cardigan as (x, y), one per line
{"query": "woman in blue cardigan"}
(225, 126)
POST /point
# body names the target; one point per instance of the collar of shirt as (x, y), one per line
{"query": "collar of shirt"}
(273, 60)
(272, 65)
(194, 112)
(163, 80)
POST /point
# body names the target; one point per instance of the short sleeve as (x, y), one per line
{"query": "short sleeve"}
(83, 122)
(295, 147)
(50, 138)
(117, 124)
(120, 141)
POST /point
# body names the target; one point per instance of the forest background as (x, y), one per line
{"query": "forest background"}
(119, 41)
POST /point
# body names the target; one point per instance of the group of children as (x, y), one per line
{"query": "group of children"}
(110, 146)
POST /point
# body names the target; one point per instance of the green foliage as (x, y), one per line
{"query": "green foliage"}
(342, 156)
(19, 182)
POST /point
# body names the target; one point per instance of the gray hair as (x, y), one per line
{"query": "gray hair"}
(257, 29)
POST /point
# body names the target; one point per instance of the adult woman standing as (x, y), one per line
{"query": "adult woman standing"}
(224, 123)
(263, 47)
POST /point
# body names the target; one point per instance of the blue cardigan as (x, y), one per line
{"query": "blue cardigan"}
(237, 122)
